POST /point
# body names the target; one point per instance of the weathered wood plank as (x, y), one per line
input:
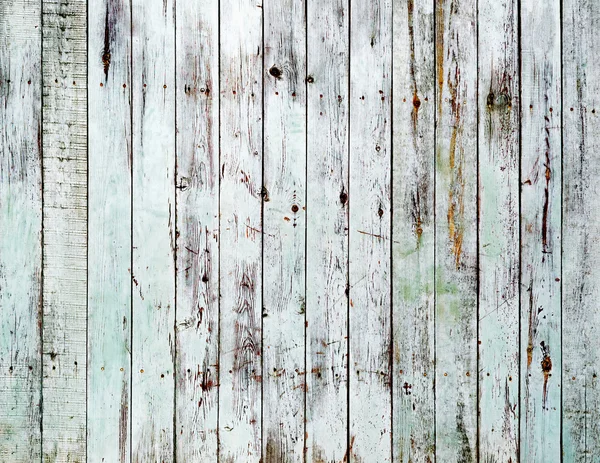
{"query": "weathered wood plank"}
(327, 230)
(153, 270)
(541, 175)
(498, 230)
(284, 226)
(413, 232)
(109, 250)
(65, 229)
(581, 253)
(20, 231)
(240, 365)
(456, 231)
(197, 323)
(370, 402)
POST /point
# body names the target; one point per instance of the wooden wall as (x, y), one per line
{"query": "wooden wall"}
(299, 231)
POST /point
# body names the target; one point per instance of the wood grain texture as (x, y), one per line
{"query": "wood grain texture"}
(109, 250)
(153, 230)
(413, 231)
(64, 68)
(541, 175)
(370, 363)
(197, 317)
(284, 231)
(327, 186)
(20, 231)
(581, 253)
(456, 232)
(241, 192)
(498, 102)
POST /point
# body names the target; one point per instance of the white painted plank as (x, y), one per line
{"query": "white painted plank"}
(413, 232)
(456, 231)
(498, 231)
(284, 226)
(328, 57)
(240, 365)
(370, 415)
(20, 231)
(541, 175)
(153, 349)
(581, 226)
(109, 251)
(65, 230)
(197, 317)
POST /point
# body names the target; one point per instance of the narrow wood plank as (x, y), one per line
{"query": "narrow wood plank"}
(581, 253)
(370, 415)
(240, 364)
(327, 187)
(20, 231)
(65, 229)
(541, 175)
(109, 251)
(456, 231)
(413, 232)
(498, 231)
(153, 350)
(284, 226)
(197, 317)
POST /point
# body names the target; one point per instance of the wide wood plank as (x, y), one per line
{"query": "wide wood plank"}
(284, 227)
(370, 402)
(498, 102)
(456, 232)
(541, 114)
(240, 364)
(20, 231)
(109, 243)
(328, 57)
(581, 226)
(197, 317)
(65, 229)
(413, 232)
(153, 269)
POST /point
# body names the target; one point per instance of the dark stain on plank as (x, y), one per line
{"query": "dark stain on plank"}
(546, 369)
(548, 175)
(123, 422)
(107, 39)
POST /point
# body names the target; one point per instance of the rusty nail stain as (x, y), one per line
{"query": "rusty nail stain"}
(165, 86)
(142, 370)
(124, 85)
(101, 84)
(294, 208)
(310, 79)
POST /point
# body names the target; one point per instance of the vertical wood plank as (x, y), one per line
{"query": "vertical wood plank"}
(328, 57)
(284, 226)
(498, 230)
(370, 426)
(581, 253)
(241, 87)
(20, 231)
(153, 96)
(456, 231)
(413, 232)
(109, 250)
(197, 323)
(65, 229)
(541, 175)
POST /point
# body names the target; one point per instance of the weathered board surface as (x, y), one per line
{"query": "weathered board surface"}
(20, 231)
(109, 236)
(299, 231)
(64, 281)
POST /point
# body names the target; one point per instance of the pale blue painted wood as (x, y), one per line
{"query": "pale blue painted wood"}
(456, 193)
(20, 231)
(413, 234)
(109, 250)
(581, 252)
